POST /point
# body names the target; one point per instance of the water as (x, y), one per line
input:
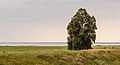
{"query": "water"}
(53, 44)
(107, 44)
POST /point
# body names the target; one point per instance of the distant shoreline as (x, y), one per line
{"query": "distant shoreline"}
(53, 44)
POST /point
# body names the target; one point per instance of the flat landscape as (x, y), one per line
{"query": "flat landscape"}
(59, 55)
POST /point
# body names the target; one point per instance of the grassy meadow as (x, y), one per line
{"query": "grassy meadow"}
(59, 55)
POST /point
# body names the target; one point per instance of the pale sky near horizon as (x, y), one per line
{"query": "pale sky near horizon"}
(46, 20)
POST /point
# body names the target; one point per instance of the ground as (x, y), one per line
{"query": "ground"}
(59, 55)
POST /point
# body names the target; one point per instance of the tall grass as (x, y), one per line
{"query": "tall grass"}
(37, 55)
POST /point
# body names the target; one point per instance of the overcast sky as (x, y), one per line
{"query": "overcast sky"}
(46, 20)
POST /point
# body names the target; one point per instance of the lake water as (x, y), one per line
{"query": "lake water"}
(53, 44)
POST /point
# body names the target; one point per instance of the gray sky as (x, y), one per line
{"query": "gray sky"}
(46, 20)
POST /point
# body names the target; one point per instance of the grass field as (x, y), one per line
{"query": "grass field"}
(37, 55)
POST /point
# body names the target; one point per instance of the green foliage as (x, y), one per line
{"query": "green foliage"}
(81, 31)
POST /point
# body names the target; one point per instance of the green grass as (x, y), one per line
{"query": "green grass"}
(37, 55)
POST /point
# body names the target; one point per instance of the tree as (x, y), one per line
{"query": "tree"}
(81, 31)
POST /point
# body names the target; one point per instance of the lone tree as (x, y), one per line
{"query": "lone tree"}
(81, 31)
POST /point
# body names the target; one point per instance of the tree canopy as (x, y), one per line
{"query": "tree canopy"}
(81, 31)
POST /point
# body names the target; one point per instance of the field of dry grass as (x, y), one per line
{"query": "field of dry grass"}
(36, 55)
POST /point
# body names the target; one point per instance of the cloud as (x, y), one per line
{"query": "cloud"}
(10, 3)
(51, 2)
